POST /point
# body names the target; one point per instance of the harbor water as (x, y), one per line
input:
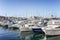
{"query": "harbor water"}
(6, 34)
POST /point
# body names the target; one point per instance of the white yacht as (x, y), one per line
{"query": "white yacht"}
(32, 27)
(53, 27)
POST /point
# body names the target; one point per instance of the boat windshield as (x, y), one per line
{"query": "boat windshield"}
(55, 22)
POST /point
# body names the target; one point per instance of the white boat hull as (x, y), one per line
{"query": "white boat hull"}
(28, 28)
(25, 29)
(52, 31)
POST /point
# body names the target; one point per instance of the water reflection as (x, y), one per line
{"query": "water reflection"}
(6, 34)
(32, 36)
(53, 38)
(37, 37)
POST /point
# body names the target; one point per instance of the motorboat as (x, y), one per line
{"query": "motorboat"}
(32, 27)
(52, 28)
(37, 29)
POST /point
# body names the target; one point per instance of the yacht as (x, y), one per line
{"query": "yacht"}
(32, 27)
(37, 28)
(52, 28)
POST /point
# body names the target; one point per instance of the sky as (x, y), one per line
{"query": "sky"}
(27, 8)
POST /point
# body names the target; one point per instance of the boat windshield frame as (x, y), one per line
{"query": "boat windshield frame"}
(54, 22)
